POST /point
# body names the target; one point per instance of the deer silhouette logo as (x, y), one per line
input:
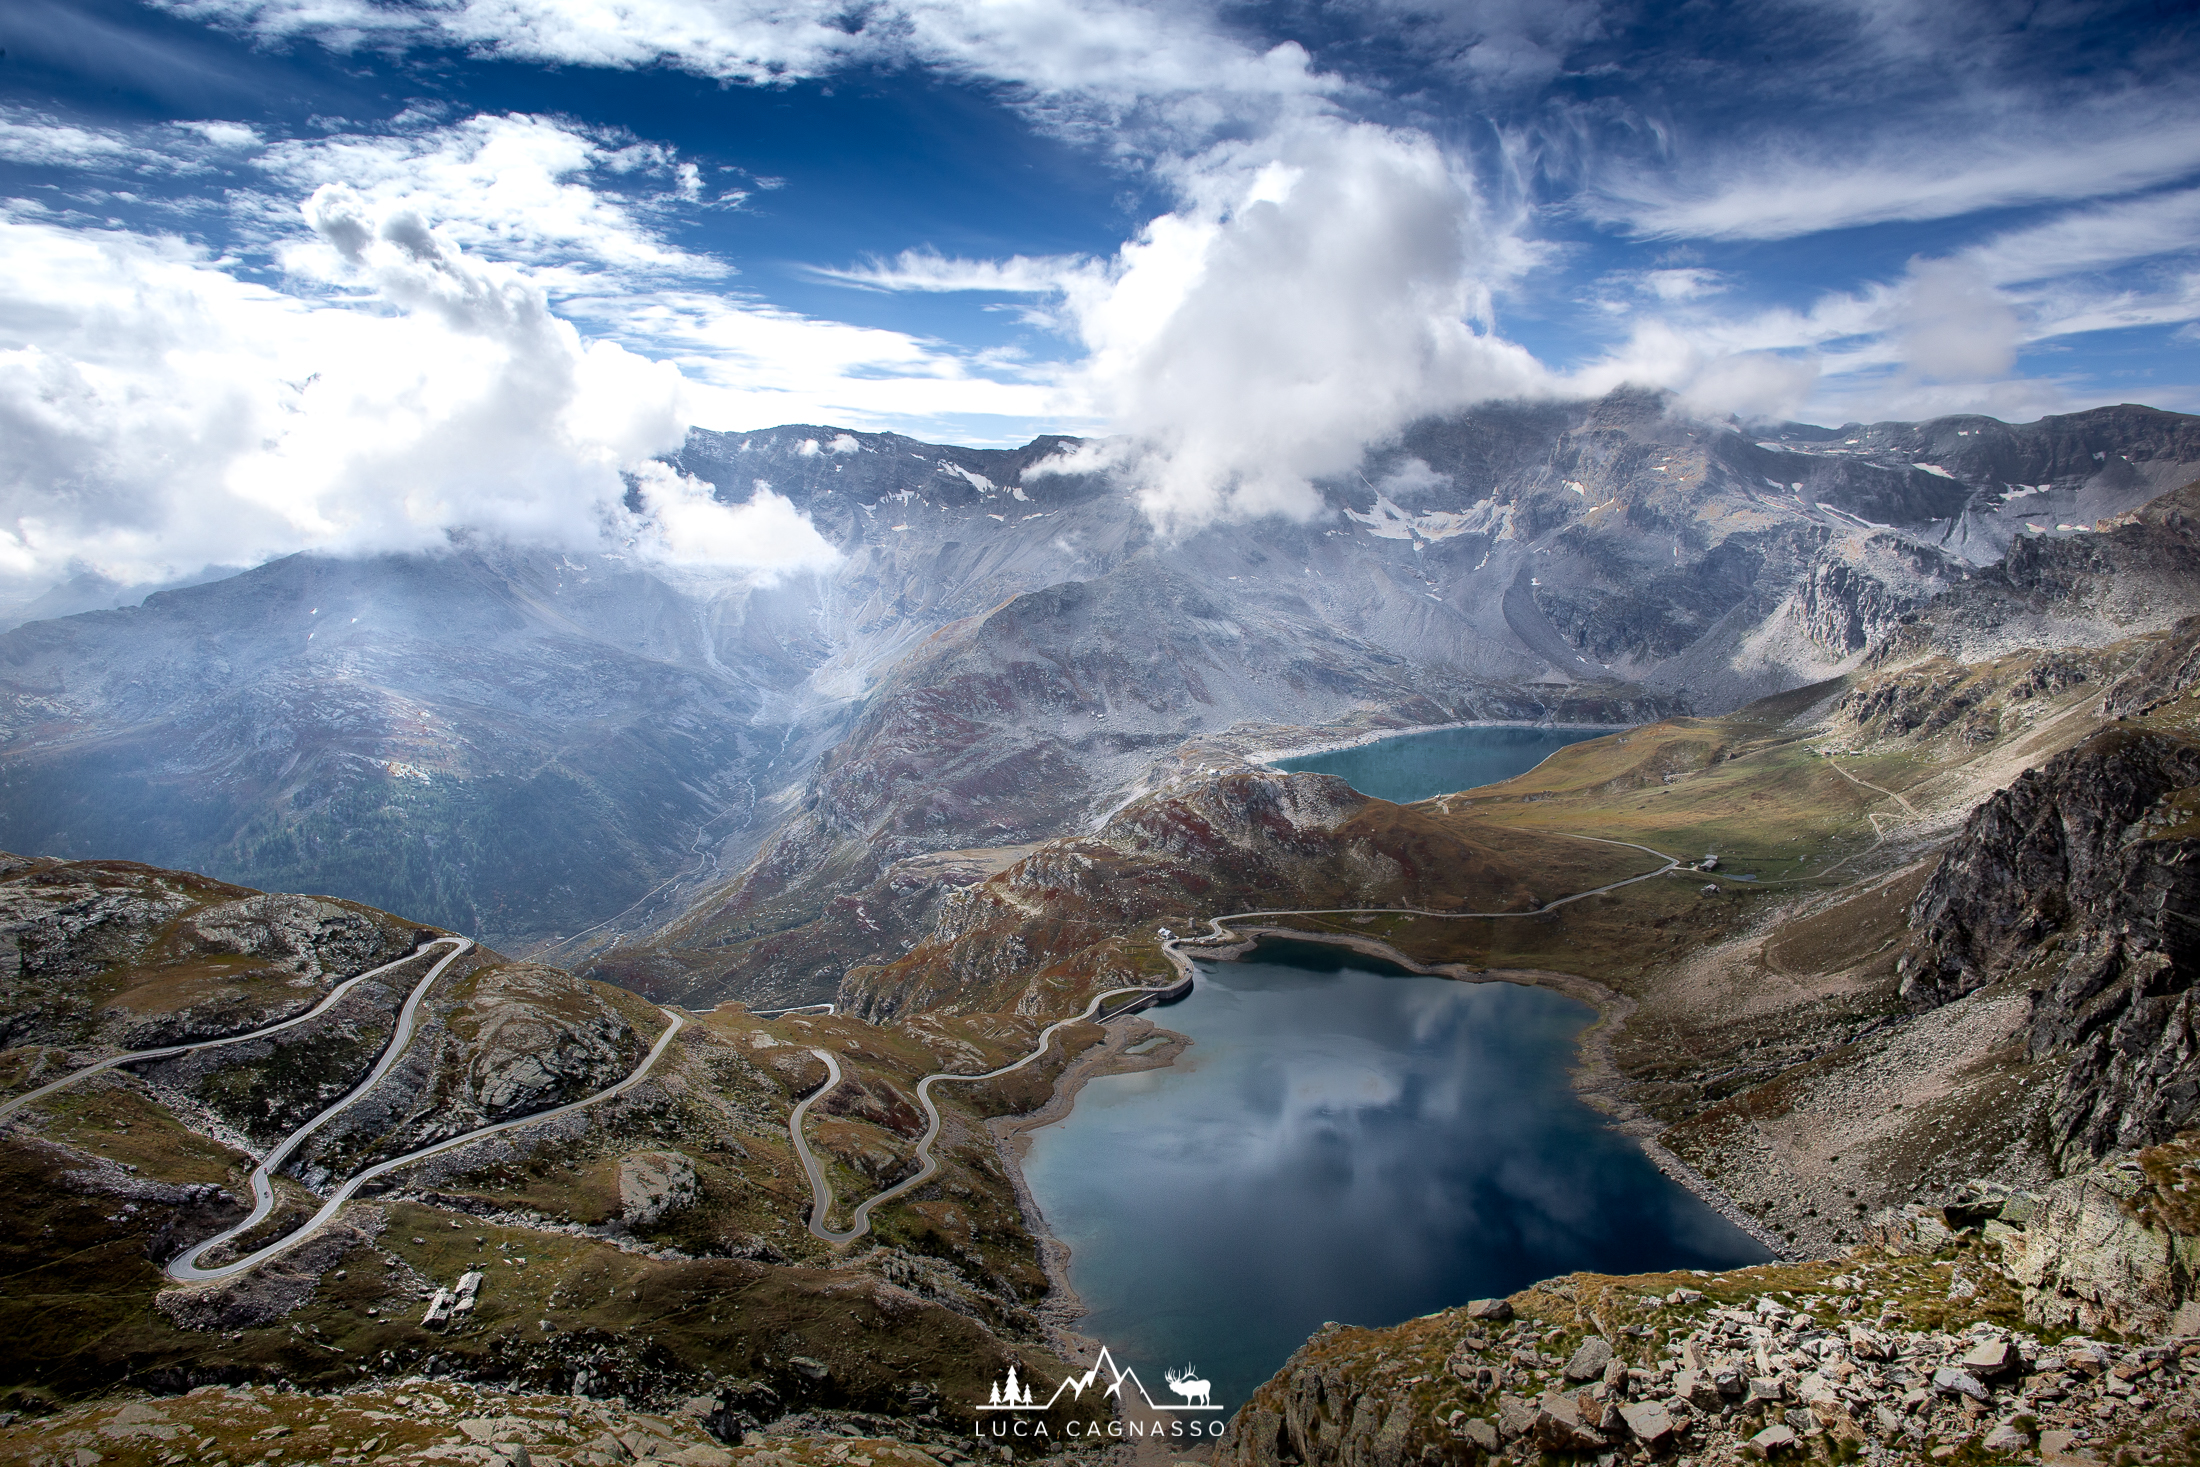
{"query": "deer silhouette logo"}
(1190, 1387)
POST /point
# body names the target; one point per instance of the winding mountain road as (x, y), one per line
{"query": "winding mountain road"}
(1218, 927)
(859, 1223)
(171, 1051)
(821, 1190)
(184, 1267)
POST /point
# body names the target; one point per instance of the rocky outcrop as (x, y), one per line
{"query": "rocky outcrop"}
(654, 1184)
(1846, 608)
(135, 956)
(2088, 1258)
(2084, 878)
(2115, 1247)
(541, 1036)
(1826, 1363)
(2171, 671)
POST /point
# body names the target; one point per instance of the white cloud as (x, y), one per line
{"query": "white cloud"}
(2097, 237)
(158, 414)
(1411, 478)
(1082, 66)
(687, 526)
(1953, 325)
(929, 271)
(1930, 173)
(1682, 284)
(535, 190)
(1316, 293)
(480, 329)
(1713, 373)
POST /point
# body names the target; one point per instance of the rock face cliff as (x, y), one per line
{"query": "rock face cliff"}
(2082, 880)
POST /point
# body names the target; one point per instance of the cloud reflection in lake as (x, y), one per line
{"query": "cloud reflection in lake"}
(1346, 1143)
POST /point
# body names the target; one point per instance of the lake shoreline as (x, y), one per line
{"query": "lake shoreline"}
(1595, 1078)
(1376, 736)
(1063, 1308)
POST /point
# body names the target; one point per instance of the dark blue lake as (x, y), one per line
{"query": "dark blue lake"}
(1344, 1142)
(1416, 766)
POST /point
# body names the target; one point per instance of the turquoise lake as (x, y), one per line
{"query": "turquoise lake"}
(1416, 766)
(1345, 1141)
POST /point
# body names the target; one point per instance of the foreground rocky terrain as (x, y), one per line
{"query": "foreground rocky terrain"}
(646, 1251)
(1943, 1340)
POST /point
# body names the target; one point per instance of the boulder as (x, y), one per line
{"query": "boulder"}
(1481, 1433)
(1559, 1427)
(2060, 1449)
(1990, 1359)
(1589, 1361)
(1515, 1417)
(1650, 1423)
(1865, 1345)
(1909, 1229)
(2007, 1439)
(1465, 1364)
(1773, 1440)
(741, 1407)
(1497, 1309)
(1698, 1389)
(1959, 1383)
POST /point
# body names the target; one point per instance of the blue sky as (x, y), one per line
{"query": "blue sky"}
(358, 273)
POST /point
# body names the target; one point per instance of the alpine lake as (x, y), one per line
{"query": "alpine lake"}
(1347, 1141)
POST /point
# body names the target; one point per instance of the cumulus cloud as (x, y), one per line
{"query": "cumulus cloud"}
(1710, 376)
(471, 328)
(688, 526)
(158, 415)
(1315, 293)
